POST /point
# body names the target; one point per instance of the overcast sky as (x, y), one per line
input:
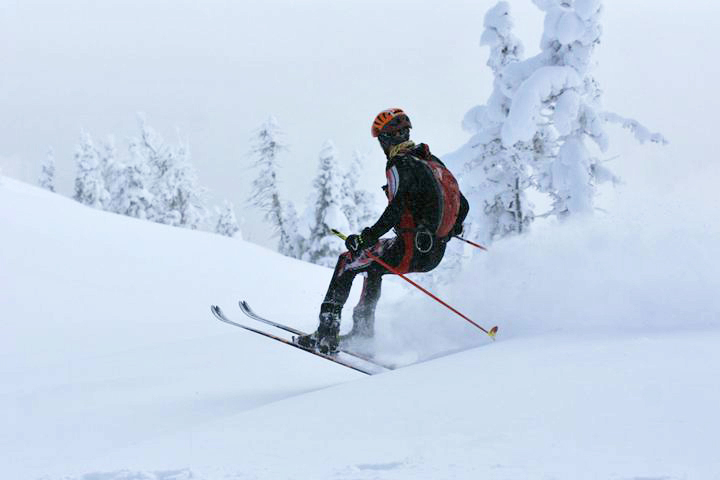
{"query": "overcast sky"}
(214, 70)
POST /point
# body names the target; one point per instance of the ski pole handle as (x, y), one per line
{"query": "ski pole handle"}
(491, 333)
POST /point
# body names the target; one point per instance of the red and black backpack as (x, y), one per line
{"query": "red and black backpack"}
(446, 189)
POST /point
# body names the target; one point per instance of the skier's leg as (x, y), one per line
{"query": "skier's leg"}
(394, 253)
(364, 311)
(427, 261)
(341, 282)
(347, 267)
(325, 338)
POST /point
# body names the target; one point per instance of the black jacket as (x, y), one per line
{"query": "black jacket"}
(412, 188)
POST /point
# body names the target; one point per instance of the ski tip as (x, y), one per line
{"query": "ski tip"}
(493, 332)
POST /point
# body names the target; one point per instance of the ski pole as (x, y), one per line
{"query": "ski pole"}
(471, 243)
(491, 333)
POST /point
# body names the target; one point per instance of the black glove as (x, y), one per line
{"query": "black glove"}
(357, 243)
(368, 237)
(354, 244)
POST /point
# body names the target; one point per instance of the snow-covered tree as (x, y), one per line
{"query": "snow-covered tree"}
(557, 105)
(323, 248)
(112, 170)
(182, 195)
(292, 243)
(543, 126)
(226, 222)
(89, 182)
(177, 199)
(47, 174)
(130, 187)
(358, 203)
(265, 195)
(497, 175)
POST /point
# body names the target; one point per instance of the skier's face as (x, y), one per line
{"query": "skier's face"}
(390, 139)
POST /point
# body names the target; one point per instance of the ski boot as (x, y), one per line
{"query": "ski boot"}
(326, 338)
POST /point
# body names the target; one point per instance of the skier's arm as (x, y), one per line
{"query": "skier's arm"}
(399, 180)
(462, 213)
(389, 218)
(464, 209)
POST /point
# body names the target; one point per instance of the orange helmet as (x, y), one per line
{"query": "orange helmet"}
(389, 121)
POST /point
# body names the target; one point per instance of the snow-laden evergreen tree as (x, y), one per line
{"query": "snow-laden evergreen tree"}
(358, 203)
(543, 126)
(292, 243)
(265, 194)
(226, 222)
(157, 157)
(323, 248)
(89, 182)
(47, 174)
(183, 197)
(111, 168)
(131, 186)
(557, 107)
(497, 175)
(177, 199)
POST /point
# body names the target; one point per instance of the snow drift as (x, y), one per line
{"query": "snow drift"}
(112, 363)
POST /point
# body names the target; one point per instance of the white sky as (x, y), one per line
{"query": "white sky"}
(215, 69)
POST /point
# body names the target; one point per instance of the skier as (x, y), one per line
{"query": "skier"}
(425, 208)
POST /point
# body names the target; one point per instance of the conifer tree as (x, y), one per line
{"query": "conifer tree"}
(327, 205)
(131, 187)
(557, 106)
(292, 243)
(182, 194)
(498, 174)
(358, 203)
(542, 122)
(47, 174)
(89, 182)
(112, 171)
(265, 195)
(226, 222)
(176, 198)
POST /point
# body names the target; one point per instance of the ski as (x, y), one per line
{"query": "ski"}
(218, 313)
(245, 307)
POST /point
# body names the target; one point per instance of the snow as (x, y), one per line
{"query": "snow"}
(566, 109)
(497, 21)
(515, 410)
(111, 340)
(113, 367)
(569, 28)
(585, 9)
(641, 133)
(527, 102)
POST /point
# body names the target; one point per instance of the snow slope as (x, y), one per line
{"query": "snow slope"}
(111, 363)
(106, 334)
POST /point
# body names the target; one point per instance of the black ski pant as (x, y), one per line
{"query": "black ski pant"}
(399, 252)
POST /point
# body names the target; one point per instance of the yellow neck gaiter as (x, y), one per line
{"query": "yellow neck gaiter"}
(400, 148)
